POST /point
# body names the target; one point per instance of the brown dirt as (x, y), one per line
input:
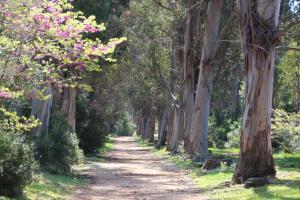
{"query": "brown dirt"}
(130, 171)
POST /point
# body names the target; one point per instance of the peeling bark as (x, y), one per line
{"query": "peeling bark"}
(198, 137)
(189, 60)
(258, 23)
(175, 125)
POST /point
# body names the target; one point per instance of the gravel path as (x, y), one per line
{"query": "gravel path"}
(134, 172)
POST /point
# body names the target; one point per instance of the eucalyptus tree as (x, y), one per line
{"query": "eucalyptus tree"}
(258, 20)
(189, 61)
(198, 137)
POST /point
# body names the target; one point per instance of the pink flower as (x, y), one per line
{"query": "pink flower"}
(94, 47)
(63, 34)
(38, 17)
(78, 46)
(62, 20)
(89, 29)
(51, 9)
(5, 95)
(45, 26)
(7, 14)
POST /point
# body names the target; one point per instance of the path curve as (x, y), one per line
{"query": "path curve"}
(134, 172)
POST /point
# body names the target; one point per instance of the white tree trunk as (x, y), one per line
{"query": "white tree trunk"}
(198, 137)
(41, 110)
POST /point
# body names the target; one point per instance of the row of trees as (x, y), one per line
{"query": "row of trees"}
(186, 61)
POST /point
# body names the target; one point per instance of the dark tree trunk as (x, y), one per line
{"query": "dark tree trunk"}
(69, 106)
(150, 127)
(162, 128)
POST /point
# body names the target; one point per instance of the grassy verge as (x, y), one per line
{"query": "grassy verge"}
(286, 186)
(47, 186)
(98, 156)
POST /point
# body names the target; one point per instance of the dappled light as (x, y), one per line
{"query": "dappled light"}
(149, 99)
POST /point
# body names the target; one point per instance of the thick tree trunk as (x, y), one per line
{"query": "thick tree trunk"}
(258, 23)
(189, 60)
(198, 137)
(162, 128)
(69, 105)
(41, 110)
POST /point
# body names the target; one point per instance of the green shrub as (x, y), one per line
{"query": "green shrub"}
(217, 133)
(90, 126)
(123, 127)
(286, 131)
(233, 136)
(16, 164)
(57, 150)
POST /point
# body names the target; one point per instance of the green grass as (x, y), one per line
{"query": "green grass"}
(97, 157)
(286, 186)
(107, 146)
(47, 186)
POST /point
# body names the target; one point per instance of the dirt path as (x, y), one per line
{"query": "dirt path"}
(133, 172)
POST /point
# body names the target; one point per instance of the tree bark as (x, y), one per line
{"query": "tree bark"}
(189, 60)
(145, 118)
(258, 23)
(150, 127)
(162, 128)
(69, 106)
(41, 110)
(198, 137)
(175, 130)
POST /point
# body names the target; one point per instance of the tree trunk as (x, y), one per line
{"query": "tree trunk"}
(175, 125)
(162, 128)
(198, 137)
(41, 110)
(173, 138)
(189, 60)
(258, 23)
(150, 127)
(69, 105)
(139, 124)
(145, 119)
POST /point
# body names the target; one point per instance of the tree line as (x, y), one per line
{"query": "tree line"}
(203, 65)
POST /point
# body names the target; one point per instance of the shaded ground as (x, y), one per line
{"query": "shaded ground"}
(130, 171)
